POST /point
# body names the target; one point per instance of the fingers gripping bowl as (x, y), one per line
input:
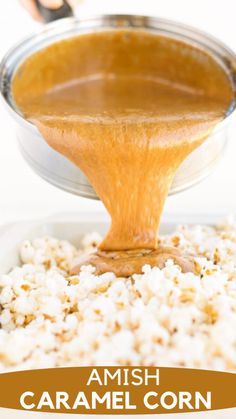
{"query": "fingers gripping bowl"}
(57, 169)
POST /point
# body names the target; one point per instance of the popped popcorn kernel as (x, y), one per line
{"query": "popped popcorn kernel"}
(49, 318)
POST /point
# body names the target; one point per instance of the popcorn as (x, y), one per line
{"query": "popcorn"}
(24, 305)
(92, 240)
(5, 317)
(6, 295)
(160, 317)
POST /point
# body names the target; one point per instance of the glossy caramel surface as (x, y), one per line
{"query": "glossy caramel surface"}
(127, 107)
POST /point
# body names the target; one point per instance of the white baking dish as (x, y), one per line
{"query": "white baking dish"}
(71, 227)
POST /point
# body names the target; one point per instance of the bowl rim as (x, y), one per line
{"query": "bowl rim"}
(199, 38)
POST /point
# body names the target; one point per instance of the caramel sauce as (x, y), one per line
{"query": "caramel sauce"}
(127, 107)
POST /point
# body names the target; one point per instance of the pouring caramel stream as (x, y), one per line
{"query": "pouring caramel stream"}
(127, 107)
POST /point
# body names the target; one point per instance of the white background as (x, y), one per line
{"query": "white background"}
(24, 195)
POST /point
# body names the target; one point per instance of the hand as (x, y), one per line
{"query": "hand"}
(51, 4)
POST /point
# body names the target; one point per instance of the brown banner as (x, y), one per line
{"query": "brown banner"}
(126, 390)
